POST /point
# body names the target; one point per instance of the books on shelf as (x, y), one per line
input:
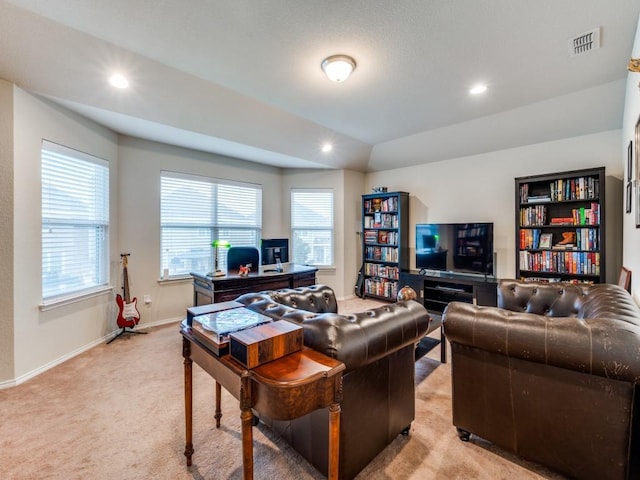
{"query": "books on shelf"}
(381, 287)
(381, 254)
(569, 262)
(378, 270)
(532, 216)
(563, 189)
(383, 237)
(380, 220)
(389, 204)
(218, 325)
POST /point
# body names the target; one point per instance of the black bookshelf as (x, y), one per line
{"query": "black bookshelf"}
(560, 234)
(385, 242)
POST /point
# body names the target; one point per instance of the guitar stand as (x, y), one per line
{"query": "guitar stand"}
(123, 331)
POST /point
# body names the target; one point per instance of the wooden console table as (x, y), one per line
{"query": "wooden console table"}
(283, 389)
(207, 289)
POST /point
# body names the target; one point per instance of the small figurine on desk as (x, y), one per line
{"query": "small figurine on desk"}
(244, 270)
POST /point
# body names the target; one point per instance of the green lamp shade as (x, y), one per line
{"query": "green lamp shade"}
(221, 243)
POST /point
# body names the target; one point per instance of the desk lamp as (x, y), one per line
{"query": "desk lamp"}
(218, 244)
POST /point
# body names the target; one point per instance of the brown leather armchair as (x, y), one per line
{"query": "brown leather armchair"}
(552, 375)
(377, 348)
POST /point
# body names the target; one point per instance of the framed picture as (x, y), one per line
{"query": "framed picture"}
(628, 197)
(635, 187)
(630, 161)
(545, 240)
(637, 147)
(624, 280)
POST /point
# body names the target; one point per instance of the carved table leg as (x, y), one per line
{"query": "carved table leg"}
(188, 400)
(334, 440)
(246, 419)
(246, 416)
(218, 414)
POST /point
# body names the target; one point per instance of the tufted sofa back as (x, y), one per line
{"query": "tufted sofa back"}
(315, 298)
(356, 340)
(600, 301)
(549, 299)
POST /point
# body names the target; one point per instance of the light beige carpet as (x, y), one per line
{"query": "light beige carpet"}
(117, 412)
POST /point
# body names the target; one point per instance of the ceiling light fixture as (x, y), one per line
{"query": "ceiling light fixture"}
(338, 67)
(118, 80)
(327, 147)
(478, 89)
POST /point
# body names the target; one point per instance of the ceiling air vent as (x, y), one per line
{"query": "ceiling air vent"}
(584, 43)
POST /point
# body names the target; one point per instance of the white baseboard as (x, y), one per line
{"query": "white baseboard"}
(105, 338)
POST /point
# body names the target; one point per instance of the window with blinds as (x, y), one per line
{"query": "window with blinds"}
(195, 211)
(75, 222)
(312, 226)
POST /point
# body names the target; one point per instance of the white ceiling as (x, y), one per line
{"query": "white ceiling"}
(242, 78)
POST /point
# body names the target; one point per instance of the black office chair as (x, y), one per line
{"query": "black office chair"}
(237, 256)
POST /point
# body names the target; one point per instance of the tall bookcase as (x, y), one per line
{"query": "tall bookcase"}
(385, 242)
(560, 219)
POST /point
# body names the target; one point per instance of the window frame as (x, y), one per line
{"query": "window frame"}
(210, 229)
(313, 227)
(56, 213)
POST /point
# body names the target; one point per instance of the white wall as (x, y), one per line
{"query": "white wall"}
(631, 234)
(141, 163)
(481, 188)
(42, 337)
(347, 187)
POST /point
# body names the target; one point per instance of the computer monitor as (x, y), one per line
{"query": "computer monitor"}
(274, 251)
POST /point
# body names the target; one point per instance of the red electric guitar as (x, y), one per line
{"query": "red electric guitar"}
(128, 314)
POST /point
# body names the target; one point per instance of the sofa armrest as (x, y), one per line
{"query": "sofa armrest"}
(607, 347)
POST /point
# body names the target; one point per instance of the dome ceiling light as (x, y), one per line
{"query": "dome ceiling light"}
(338, 67)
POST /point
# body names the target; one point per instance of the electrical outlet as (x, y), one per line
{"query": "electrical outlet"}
(147, 299)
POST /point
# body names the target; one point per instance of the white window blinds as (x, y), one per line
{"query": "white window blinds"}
(75, 221)
(195, 211)
(312, 226)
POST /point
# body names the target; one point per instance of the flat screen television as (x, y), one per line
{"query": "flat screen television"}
(455, 247)
(274, 251)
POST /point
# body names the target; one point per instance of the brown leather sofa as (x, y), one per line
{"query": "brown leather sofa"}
(377, 348)
(552, 374)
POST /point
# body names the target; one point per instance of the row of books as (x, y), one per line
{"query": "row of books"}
(532, 216)
(537, 215)
(586, 239)
(382, 220)
(581, 188)
(530, 239)
(389, 204)
(384, 237)
(573, 281)
(577, 263)
(381, 287)
(382, 254)
(377, 270)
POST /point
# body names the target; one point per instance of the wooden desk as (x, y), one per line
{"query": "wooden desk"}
(283, 389)
(208, 289)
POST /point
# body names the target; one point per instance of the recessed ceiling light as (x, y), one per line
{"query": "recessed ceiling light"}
(118, 80)
(327, 147)
(478, 89)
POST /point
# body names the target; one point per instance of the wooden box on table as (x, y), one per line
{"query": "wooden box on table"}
(258, 345)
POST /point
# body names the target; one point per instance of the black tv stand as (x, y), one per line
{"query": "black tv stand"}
(437, 289)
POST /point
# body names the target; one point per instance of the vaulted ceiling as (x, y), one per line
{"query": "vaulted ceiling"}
(243, 78)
